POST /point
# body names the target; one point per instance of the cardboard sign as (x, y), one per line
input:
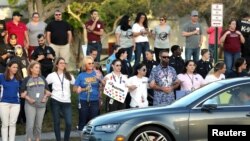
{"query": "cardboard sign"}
(116, 91)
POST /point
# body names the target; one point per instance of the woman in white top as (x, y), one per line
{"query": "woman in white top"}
(138, 87)
(124, 36)
(189, 80)
(115, 77)
(35, 27)
(217, 73)
(161, 36)
(140, 33)
(61, 97)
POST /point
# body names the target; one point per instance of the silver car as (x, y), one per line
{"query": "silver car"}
(187, 119)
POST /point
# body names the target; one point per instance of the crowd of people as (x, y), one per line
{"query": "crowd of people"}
(34, 59)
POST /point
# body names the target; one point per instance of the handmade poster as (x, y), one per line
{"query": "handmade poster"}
(116, 91)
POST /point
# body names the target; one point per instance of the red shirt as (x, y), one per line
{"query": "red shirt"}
(91, 36)
(18, 29)
(232, 42)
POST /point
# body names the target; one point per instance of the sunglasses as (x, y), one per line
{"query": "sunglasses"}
(162, 20)
(58, 14)
(165, 57)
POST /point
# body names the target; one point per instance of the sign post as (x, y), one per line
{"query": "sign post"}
(216, 21)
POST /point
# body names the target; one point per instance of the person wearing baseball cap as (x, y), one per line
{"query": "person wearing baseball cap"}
(15, 26)
(193, 32)
(16, 13)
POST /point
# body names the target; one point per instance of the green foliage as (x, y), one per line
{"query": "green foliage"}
(13, 2)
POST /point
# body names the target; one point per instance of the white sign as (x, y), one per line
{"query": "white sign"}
(217, 15)
(116, 91)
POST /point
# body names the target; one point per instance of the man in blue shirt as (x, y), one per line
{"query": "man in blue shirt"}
(111, 58)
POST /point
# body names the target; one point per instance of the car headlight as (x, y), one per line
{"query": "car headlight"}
(107, 128)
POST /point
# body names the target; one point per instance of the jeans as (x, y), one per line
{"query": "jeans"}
(212, 52)
(195, 52)
(129, 51)
(98, 46)
(141, 48)
(230, 59)
(87, 111)
(65, 108)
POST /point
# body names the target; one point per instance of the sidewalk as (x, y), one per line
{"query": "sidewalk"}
(49, 136)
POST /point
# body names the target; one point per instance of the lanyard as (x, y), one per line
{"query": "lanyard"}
(115, 79)
(192, 81)
(61, 80)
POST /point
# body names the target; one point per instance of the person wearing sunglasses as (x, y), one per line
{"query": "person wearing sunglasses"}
(161, 36)
(163, 80)
(59, 36)
(116, 77)
(87, 85)
(138, 85)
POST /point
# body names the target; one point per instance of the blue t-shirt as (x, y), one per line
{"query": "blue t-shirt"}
(10, 91)
(83, 80)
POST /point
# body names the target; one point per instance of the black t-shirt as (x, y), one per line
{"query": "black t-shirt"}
(177, 63)
(244, 27)
(2, 29)
(59, 32)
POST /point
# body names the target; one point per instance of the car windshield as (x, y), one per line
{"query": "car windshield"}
(188, 99)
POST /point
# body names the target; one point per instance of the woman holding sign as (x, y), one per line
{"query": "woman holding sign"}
(115, 88)
(87, 85)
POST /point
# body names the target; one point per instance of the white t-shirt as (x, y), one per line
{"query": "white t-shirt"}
(137, 28)
(211, 78)
(59, 93)
(139, 95)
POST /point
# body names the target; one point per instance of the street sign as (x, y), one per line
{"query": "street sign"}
(217, 15)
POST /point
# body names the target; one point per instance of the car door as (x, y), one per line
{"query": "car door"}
(228, 112)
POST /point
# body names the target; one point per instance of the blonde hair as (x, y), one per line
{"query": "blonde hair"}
(84, 62)
(31, 65)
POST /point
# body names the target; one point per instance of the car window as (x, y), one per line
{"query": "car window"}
(234, 96)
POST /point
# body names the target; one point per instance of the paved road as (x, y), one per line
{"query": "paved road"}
(48, 136)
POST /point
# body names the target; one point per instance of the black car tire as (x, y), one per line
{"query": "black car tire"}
(150, 131)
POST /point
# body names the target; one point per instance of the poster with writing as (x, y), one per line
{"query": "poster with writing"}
(116, 91)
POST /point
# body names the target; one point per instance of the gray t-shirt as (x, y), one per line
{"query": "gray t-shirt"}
(161, 36)
(35, 88)
(126, 39)
(34, 30)
(192, 41)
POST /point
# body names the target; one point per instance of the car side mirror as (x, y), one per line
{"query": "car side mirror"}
(208, 107)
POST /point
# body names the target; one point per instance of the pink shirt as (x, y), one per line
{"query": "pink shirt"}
(190, 81)
(211, 32)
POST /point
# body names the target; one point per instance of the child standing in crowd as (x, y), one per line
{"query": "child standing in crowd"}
(9, 101)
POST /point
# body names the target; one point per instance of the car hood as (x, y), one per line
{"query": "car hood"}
(124, 115)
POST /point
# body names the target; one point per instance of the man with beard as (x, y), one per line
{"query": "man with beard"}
(45, 55)
(163, 80)
(94, 32)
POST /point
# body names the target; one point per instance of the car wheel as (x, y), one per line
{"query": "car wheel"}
(150, 133)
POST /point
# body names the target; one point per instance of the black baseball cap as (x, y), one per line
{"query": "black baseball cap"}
(16, 13)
